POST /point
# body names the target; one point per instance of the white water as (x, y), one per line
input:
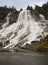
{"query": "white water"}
(24, 31)
(7, 19)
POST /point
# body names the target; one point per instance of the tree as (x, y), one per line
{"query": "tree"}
(5, 6)
(13, 8)
(21, 9)
(45, 10)
(29, 8)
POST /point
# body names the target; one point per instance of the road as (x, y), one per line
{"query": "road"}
(23, 58)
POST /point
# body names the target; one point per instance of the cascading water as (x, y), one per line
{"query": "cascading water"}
(24, 31)
(7, 19)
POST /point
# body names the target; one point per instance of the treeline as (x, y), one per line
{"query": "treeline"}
(40, 10)
(5, 10)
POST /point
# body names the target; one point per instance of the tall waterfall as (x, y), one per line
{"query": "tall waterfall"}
(25, 30)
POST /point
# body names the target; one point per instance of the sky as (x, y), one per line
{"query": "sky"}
(22, 3)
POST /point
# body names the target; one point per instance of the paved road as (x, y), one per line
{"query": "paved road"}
(24, 58)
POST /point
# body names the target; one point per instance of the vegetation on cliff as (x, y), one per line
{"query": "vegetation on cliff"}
(41, 45)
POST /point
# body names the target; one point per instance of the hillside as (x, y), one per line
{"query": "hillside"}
(41, 45)
(4, 11)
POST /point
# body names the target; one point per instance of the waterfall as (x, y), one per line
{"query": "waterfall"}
(7, 21)
(25, 30)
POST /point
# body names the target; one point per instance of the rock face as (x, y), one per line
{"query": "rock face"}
(25, 30)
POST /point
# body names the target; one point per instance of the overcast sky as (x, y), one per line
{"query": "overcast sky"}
(22, 3)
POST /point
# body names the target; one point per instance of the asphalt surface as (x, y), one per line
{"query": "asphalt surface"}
(23, 58)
